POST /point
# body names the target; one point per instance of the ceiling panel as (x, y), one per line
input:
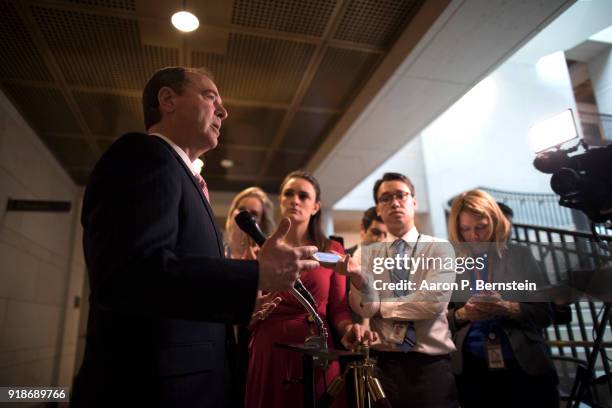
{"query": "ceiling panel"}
(307, 129)
(110, 115)
(104, 144)
(340, 76)
(258, 68)
(20, 58)
(80, 177)
(246, 161)
(286, 162)
(45, 109)
(103, 51)
(129, 5)
(250, 126)
(76, 69)
(376, 22)
(302, 17)
(71, 152)
(223, 184)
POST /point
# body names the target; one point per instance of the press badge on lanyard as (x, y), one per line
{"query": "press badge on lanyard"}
(495, 357)
(399, 332)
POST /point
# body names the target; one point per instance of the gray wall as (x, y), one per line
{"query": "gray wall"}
(41, 265)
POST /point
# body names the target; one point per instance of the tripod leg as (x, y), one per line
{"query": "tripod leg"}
(585, 377)
(376, 391)
(334, 388)
(309, 383)
(358, 386)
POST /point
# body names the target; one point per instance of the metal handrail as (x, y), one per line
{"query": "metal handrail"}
(557, 251)
(561, 231)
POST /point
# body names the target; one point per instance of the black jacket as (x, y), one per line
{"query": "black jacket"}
(525, 334)
(161, 292)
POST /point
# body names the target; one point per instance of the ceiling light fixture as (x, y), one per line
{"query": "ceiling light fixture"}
(184, 20)
(227, 163)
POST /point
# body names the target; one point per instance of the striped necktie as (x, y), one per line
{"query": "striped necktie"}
(203, 185)
(401, 247)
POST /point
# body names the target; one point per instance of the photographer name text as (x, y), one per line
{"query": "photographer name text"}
(465, 284)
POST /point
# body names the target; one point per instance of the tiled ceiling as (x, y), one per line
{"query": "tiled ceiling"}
(287, 69)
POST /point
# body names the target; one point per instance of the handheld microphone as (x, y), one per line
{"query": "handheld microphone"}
(248, 224)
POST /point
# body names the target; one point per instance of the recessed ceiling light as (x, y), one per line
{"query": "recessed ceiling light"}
(227, 163)
(185, 21)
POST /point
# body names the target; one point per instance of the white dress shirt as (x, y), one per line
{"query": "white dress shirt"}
(177, 149)
(427, 309)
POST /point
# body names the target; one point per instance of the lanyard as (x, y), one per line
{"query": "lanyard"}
(412, 253)
(489, 271)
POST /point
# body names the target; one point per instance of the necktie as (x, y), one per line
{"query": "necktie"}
(400, 247)
(203, 185)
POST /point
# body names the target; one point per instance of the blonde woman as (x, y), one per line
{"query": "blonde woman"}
(255, 201)
(501, 357)
(239, 246)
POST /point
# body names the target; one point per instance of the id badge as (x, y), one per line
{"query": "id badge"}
(398, 333)
(495, 357)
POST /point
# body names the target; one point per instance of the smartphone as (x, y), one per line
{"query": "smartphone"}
(327, 258)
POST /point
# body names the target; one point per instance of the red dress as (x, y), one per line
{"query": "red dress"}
(273, 372)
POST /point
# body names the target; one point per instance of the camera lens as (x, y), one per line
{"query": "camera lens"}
(565, 181)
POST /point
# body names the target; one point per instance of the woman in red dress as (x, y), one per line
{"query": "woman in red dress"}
(274, 373)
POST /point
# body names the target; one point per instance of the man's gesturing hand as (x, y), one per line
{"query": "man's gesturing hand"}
(280, 264)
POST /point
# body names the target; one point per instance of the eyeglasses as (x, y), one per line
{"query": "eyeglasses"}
(387, 198)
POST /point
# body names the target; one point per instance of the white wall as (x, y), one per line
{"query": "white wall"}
(408, 161)
(482, 140)
(41, 266)
(600, 72)
(600, 69)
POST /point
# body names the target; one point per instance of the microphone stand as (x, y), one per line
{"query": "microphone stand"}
(314, 342)
(247, 223)
(367, 387)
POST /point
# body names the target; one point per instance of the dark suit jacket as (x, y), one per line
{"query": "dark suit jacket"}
(351, 251)
(161, 292)
(525, 334)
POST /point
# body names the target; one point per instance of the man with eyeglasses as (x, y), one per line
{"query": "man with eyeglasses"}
(413, 362)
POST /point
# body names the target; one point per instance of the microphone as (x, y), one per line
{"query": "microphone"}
(248, 224)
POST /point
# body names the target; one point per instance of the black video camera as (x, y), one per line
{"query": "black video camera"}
(583, 181)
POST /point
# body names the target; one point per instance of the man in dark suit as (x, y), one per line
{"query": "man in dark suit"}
(161, 292)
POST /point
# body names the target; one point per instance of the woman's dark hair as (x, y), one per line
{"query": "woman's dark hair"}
(315, 231)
